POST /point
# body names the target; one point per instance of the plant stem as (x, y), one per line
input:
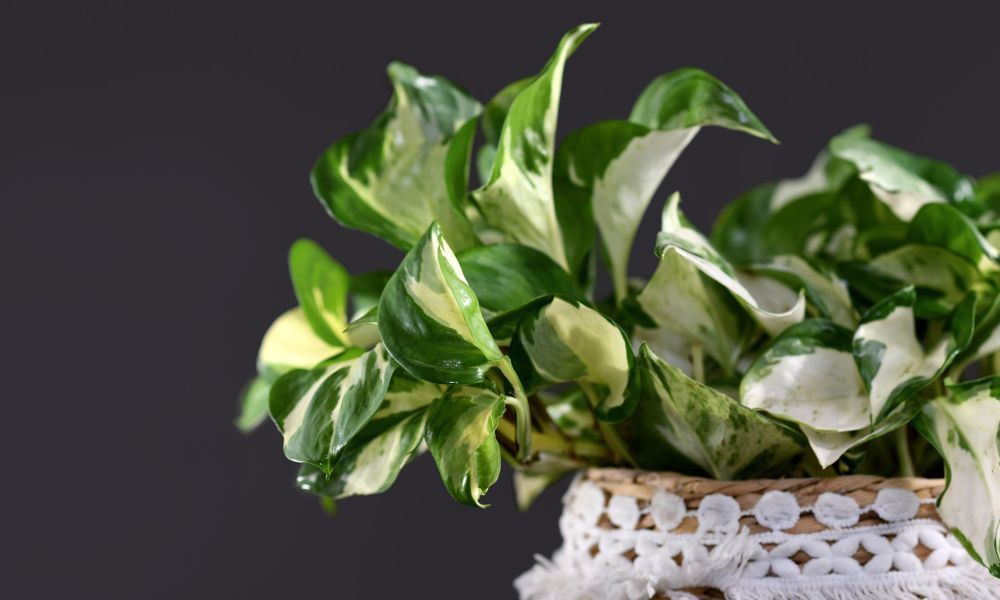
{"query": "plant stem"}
(698, 362)
(521, 409)
(903, 452)
(614, 441)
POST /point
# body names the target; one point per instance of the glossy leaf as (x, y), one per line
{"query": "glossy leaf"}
(824, 291)
(807, 375)
(617, 166)
(461, 437)
(964, 426)
(509, 278)
(321, 285)
(774, 218)
(892, 362)
(371, 461)
(681, 421)
(517, 198)
(688, 293)
(904, 181)
(571, 342)
(391, 180)
(429, 318)
(319, 411)
(691, 97)
(291, 343)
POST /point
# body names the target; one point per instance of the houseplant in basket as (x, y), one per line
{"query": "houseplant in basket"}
(766, 416)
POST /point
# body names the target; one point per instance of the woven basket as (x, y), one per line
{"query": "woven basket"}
(637, 535)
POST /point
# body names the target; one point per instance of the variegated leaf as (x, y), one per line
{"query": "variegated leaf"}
(964, 426)
(687, 293)
(371, 461)
(827, 293)
(947, 276)
(775, 218)
(905, 182)
(429, 318)
(461, 437)
(680, 421)
(944, 226)
(807, 375)
(321, 285)
(891, 359)
(616, 166)
(508, 279)
(572, 342)
(318, 411)
(291, 343)
(392, 179)
(517, 198)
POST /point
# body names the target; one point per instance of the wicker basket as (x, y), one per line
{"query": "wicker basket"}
(637, 535)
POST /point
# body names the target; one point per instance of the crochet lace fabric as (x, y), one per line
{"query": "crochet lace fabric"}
(616, 547)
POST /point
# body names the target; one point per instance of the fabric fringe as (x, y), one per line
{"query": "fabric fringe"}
(951, 583)
(550, 581)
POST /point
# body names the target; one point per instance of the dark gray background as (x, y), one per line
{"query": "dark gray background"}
(153, 172)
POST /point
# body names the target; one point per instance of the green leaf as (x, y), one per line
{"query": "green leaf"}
(893, 363)
(529, 486)
(393, 179)
(617, 166)
(371, 461)
(774, 218)
(253, 404)
(904, 181)
(937, 272)
(688, 293)
(429, 317)
(517, 198)
(964, 426)
(318, 411)
(461, 437)
(690, 98)
(807, 375)
(943, 226)
(508, 279)
(677, 415)
(366, 289)
(569, 342)
(321, 285)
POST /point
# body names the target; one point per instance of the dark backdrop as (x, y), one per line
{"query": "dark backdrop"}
(153, 172)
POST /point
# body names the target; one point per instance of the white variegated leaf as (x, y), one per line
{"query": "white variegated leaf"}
(392, 179)
(290, 343)
(570, 342)
(319, 411)
(807, 375)
(429, 318)
(517, 199)
(903, 181)
(892, 361)
(677, 414)
(687, 293)
(825, 291)
(965, 428)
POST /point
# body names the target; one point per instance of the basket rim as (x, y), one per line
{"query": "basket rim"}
(694, 486)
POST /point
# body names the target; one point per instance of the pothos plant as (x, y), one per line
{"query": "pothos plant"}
(825, 327)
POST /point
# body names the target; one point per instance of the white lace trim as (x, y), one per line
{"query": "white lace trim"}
(609, 554)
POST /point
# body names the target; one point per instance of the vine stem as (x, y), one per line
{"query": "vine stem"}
(615, 442)
(522, 409)
(903, 451)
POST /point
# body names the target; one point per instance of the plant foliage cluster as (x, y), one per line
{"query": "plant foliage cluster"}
(826, 326)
